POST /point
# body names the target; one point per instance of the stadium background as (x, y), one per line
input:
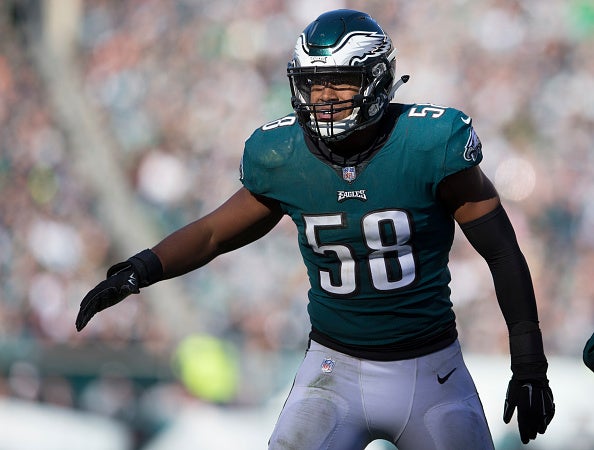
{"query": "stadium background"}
(123, 120)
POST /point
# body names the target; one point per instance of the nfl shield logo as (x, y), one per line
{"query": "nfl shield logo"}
(349, 174)
(327, 365)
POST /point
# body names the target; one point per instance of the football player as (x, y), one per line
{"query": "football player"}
(375, 189)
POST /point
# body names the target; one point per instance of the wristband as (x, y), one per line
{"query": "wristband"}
(148, 267)
(146, 264)
(528, 360)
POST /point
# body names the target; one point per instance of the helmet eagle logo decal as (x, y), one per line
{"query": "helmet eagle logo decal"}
(371, 43)
(374, 44)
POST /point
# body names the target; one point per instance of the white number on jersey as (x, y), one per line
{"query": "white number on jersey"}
(381, 255)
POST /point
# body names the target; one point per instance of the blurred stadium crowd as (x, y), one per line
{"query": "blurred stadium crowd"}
(179, 85)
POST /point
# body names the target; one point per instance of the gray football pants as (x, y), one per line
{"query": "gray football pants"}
(339, 402)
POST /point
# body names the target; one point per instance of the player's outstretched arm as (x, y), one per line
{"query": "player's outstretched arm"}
(486, 225)
(242, 219)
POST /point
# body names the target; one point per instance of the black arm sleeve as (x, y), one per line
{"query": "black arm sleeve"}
(493, 237)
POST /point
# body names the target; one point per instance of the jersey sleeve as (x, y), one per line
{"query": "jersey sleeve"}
(266, 155)
(464, 148)
(250, 171)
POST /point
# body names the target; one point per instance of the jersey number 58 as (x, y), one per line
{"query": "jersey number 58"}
(390, 260)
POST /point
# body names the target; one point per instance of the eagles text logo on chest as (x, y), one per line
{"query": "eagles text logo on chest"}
(346, 195)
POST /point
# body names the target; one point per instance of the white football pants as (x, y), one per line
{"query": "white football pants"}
(339, 402)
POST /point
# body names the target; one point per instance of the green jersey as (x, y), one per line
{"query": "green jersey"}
(373, 236)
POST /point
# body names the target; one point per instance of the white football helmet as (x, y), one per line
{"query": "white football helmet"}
(342, 46)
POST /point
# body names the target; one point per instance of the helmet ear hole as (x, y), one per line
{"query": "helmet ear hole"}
(371, 109)
(358, 100)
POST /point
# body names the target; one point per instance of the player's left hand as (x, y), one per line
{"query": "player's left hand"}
(534, 402)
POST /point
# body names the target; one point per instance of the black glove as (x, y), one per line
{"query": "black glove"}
(534, 401)
(123, 279)
(528, 390)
